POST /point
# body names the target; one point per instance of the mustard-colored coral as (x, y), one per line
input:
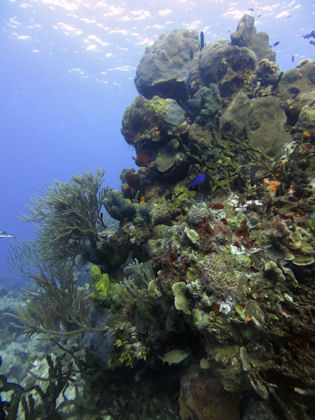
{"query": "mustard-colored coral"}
(102, 286)
(95, 273)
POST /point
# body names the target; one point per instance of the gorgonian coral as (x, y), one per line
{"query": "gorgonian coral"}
(67, 215)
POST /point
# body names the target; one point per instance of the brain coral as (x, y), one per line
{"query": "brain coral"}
(219, 275)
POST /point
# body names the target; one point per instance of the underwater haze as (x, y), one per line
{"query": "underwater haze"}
(67, 76)
(157, 210)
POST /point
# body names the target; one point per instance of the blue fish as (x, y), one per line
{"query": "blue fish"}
(294, 90)
(197, 181)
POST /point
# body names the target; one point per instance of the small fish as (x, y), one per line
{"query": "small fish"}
(197, 181)
(174, 357)
(306, 36)
(303, 391)
(294, 90)
(292, 58)
(259, 16)
(251, 9)
(202, 40)
(276, 43)
(312, 42)
(4, 234)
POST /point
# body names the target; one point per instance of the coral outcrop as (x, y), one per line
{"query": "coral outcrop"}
(210, 264)
(164, 68)
(246, 36)
(226, 65)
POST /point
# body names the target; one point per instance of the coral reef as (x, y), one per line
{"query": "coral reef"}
(246, 36)
(210, 268)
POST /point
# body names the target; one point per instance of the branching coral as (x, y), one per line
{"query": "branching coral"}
(67, 215)
(138, 302)
(23, 258)
(56, 306)
(58, 379)
(135, 285)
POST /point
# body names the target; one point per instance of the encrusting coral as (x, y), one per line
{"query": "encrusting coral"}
(220, 276)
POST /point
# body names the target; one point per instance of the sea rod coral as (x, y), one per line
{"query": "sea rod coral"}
(67, 215)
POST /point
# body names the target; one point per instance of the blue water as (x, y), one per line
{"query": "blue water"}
(66, 77)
